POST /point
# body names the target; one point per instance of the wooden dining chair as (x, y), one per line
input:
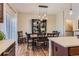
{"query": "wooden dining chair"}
(42, 39)
(56, 33)
(28, 39)
(21, 39)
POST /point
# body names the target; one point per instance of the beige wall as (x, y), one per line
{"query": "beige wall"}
(51, 23)
(59, 23)
(24, 22)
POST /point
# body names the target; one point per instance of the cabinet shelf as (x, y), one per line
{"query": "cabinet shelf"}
(37, 25)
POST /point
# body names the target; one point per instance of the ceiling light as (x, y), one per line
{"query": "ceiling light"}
(43, 10)
(70, 12)
(43, 6)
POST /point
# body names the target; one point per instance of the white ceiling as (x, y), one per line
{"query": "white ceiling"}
(53, 8)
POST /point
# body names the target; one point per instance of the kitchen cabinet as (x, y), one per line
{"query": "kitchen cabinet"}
(64, 46)
(60, 50)
(7, 48)
(65, 51)
(10, 51)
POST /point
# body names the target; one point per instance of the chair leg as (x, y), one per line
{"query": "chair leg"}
(27, 44)
(33, 45)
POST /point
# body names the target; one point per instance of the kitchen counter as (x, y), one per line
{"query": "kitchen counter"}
(66, 41)
(63, 46)
(5, 44)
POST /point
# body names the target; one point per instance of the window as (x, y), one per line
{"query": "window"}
(11, 26)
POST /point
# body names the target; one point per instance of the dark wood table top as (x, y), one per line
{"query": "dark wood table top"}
(33, 36)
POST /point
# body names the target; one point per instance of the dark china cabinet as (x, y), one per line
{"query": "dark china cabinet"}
(39, 26)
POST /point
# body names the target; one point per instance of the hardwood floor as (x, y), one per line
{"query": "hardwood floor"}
(23, 51)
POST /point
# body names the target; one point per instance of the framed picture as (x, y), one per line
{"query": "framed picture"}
(78, 24)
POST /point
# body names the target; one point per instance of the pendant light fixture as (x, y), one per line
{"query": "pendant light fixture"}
(42, 12)
(70, 12)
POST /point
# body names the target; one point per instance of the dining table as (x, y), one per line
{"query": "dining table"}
(34, 38)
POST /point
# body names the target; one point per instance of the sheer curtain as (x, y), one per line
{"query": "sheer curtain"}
(11, 25)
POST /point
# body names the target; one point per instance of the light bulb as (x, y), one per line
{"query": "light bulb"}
(39, 17)
(46, 18)
(44, 15)
(70, 11)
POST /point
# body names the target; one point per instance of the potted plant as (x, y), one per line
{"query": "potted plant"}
(2, 36)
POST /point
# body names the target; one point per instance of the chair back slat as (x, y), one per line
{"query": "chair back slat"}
(20, 34)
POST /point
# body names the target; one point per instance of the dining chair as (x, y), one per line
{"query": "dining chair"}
(56, 34)
(21, 39)
(28, 39)
(41, 41)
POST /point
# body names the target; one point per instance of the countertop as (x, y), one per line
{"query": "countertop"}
(66, 41)
(4, 44)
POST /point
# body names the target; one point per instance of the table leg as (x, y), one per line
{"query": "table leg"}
(33, 44)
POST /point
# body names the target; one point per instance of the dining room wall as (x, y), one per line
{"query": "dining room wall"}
(25, 19)
(60, 23)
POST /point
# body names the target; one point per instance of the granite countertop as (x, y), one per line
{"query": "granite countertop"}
(4, 44)
(66, 41)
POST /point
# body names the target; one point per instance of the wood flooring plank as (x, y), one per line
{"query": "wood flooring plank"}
(23, 51)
